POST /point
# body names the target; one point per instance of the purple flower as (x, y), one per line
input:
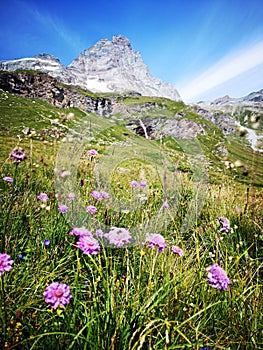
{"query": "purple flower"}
(92, 152)
(71, 196)
(91, 209)
(8, 179)
(63, 208)
(217, 277)
(5, 263)
(155, 239)
(100, 195)
(118, 236)
(88, 244)
(142, 184)
(20, 256)
(43, 196)
(96, 194)
(46, 242)
(57, 294)
(177, 250)
(80, 231)
(225, 223)
(81, 183)
(99, 233)
(165, 205)
(134, 184)
(18, 154)
(104, 195)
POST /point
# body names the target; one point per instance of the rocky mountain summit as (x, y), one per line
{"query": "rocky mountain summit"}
(253, 99)
(108, 66)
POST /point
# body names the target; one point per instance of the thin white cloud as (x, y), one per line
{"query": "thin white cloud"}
(226, 69)
(54, 24)
(51, 24)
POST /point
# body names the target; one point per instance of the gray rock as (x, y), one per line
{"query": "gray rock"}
(155, 128)
(224, 121)
(44, 87)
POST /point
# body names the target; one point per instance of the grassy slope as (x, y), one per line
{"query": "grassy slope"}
(132, 298)
(16, 113)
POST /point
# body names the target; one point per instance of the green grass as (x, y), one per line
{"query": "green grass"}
(129, 298)
(133, 297)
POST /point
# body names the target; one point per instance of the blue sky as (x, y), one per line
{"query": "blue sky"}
(205, 48)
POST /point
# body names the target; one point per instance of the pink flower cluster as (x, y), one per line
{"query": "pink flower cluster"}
(5, 263)
(217, 277)
(156, 240)
(93, 153)
(43, 197)
(8, 179)
(99, 195)
(18, 154)
(63, 208)
(57, 295)
(118, 237)
(91, 209)
(87, 243)
(225, 223)
(79, 231)
(135, 184)
(177, 250)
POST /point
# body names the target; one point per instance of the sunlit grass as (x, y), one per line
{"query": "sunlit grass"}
(133, 297)
(136, 297)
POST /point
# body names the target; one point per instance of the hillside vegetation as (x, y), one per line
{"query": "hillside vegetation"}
(136, 242)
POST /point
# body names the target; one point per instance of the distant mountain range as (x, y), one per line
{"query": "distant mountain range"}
(108, 66)
(254, 98)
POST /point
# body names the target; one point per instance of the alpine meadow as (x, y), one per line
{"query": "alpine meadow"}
(129, 219)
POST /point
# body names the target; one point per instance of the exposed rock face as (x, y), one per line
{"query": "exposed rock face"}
(181, 128)
(255, 97)
(115, 66)
(224, 121)
(108, 66)
(222, 111)
(46, 88)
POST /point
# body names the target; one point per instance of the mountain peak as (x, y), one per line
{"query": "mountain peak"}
(121, 41)
(107, 66)
(46, 56)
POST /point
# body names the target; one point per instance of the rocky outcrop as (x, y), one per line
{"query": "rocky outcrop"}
(225, 111)
(255, 97)
(155, 128)
(44, 87)
(108, 66)
(224, 121)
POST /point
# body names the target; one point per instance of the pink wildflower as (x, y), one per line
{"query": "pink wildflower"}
(5, 263)
(177, 250)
